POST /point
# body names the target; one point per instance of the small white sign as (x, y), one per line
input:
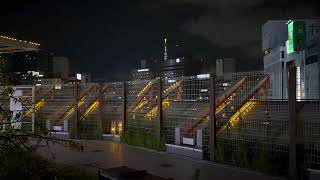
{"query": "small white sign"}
(57, 128)
(78, 76)
(15, 104)
(188, 141)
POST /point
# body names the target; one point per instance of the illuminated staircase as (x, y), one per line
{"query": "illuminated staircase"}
(141, 99)
(224, 100)
(60, 109)
(248, 105)
(94, 105)
(82, 100)
(166, 102)
(39, 102)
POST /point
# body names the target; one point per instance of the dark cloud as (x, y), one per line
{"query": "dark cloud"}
(237, 23)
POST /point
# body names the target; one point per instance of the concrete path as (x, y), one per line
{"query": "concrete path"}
(102, 154)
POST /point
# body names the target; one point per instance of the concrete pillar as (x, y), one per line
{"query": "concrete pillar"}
(48, 125)
(292, 123)
(177, 139)
(199, 138)
(65, 125)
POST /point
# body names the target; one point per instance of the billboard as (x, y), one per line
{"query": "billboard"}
(296, 36)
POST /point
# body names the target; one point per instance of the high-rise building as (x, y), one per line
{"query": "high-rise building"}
(225, 65)
(27, 68)
(86, 77)
(143, 73)
(165, 54)
(286, 43)
(24, 60)
(61, 67)
(172, 68)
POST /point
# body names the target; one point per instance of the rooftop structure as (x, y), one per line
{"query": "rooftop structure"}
(10, 45)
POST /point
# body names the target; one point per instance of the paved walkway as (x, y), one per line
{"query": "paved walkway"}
(102, 154)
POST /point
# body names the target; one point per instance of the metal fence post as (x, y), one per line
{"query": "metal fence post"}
(75, 122)
(33, 108)
(212, 120)
(100, 100)
(292, 172)
(124, 107)
(160, 109)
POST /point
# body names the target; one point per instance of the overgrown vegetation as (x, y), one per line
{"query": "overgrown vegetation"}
(89, 129)
(251, 155)
(19, 159)
(143, 138)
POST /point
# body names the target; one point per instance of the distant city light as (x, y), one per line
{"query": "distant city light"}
(57, 87)
(172, 81)
(203, 76)
(143, 70)
(177, 60)
(78, 76)
(226, 84)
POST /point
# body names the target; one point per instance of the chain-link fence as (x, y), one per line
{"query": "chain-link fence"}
(187, 114)
(251, 130)
(308, 116)
(112, 108)
(143, 118)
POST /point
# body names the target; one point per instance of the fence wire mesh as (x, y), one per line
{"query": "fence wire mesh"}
(112, 109)
(309, 133)
(251, 123)
(186, 115)
(143, 122)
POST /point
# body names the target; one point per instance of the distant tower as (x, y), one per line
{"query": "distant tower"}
(165, 57)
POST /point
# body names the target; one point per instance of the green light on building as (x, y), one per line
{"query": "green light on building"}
(296, 36)
(290, 38)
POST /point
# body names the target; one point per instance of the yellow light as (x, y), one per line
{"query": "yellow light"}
(236, 116)
(70, 111)
(141, 104)
(37, 107)
(91, 108)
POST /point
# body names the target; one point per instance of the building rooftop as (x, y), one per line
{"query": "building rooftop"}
(9, 45)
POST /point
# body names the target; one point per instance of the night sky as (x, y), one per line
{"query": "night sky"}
(108, 38)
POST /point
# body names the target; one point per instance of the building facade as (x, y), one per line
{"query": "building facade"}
(279, 54)
(61, 67)
(143, 73)
(27, 68)
(172, 68)
(225, 65)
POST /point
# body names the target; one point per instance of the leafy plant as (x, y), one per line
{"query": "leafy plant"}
(19, 159)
